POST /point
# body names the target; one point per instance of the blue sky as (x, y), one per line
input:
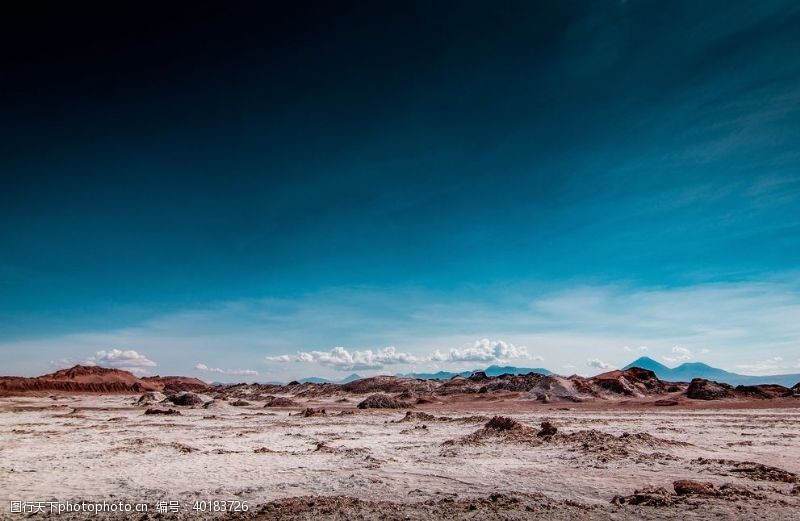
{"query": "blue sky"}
(545, 185)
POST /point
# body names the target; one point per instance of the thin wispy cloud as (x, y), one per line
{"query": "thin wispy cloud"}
(229, 372)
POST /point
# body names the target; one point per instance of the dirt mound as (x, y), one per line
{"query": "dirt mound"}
(748, 469)
(491, 508)
(417, 416)
(503, 423)
(499, 428)
(167, 412)
(661, 497)
(240, 403)
(665, 403)
(383, 401)
(606, 447)
(764, 392)
(702, 389)
(277, 401)
(648, 496)
(185, 399)
(547, 429)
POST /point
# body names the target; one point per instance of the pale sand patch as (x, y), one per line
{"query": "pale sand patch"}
(103, 447)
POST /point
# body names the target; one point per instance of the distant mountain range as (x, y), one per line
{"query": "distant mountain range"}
(685, 373)
(492, 370)
(682, 373)
(318, 380)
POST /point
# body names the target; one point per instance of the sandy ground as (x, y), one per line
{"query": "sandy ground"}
(368, 464)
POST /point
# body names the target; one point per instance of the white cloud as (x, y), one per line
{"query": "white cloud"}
(640, 349)
(342, 359)
(232, 372)
(128, 360)
(772, 365)
(485, 350)
(598, 364)
(681, 355)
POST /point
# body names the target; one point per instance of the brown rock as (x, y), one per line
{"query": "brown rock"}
(162, 411)
(383, 401)
(547, 429)
(687, 487)
(702, 389)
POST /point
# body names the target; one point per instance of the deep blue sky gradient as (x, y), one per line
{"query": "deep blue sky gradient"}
(158, 159)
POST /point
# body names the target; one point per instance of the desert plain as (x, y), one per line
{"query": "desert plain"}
(310, 452)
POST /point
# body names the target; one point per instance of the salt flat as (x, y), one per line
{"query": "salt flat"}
(102, 447)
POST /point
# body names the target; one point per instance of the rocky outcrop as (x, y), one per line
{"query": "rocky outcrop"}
(95, 379)
(629, 382)
(383, 401)
(764, 392)
(702, 389)
(186, 399)
(79, 379)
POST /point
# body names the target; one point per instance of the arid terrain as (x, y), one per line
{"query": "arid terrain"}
(618, 446)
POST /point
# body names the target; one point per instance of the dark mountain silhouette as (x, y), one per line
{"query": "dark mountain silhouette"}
(318, 380)
(685, 372)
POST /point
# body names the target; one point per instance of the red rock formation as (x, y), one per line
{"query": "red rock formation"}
(95, 379)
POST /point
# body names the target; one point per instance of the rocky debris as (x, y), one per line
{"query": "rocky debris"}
(795, 490)
(503, 423)
(415, 428)
(262, 450)
(417, 416)
(660, 497)
(764, 392)
(648, 496)
(687, 487)
(150, 398)
(166, 412)
(278, 401)
(499, 427)
(748, 469)
(185, 449)
(310, 411)
(547, 429)
(383, 401)
(796, 389)
(240, 403)
(185, 399)
(490, 508)
(702, 389)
